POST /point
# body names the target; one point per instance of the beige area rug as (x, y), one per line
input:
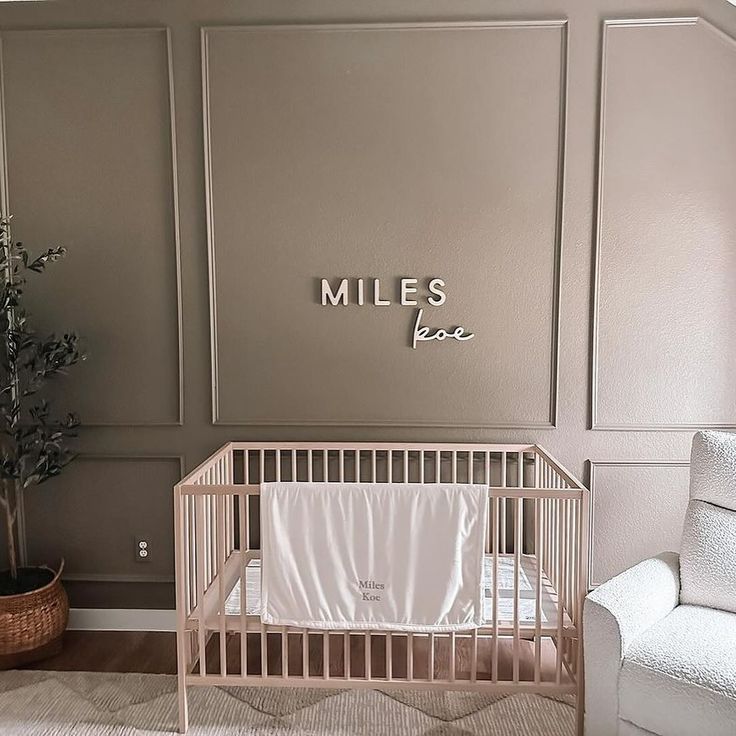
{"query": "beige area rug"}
(92, 704)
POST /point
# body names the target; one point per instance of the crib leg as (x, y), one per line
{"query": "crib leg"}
(183, 705)
(580, 695)
(183, 642)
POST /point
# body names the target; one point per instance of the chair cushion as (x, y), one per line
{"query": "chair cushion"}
(713, 468)
(708, 550)
(679, 677)
(708, 557)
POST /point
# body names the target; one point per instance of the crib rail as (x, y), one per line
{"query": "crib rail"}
(537, 524)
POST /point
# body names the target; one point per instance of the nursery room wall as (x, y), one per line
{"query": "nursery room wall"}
(565, 169)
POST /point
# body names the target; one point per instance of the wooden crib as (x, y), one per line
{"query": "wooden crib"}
(535, 572)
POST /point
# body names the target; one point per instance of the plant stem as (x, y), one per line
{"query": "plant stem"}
(7, 504)
(11, 504)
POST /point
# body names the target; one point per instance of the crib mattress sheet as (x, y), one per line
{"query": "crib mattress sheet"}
(527, 592)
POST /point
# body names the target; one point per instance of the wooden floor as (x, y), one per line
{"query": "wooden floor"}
(155, 653)
(114, 651)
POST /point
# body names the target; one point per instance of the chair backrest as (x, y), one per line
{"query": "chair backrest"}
(708, 551)
(713, 469)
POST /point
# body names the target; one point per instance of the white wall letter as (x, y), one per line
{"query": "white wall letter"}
(361, 299)
(377, 295)
(407, 289)
(340, 296)
(440, 296)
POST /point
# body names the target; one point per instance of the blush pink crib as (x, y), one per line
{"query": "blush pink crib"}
(535, 572)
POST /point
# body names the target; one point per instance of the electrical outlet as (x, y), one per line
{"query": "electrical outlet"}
(142, 550)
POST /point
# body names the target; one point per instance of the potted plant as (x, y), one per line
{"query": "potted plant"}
(33, 605)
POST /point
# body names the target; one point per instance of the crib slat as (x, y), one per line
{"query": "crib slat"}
(264, 650)
(520, 484)
(305, 654)
(223, 480)
(389, 656)
(206, 531)
(213, 534)
(568, 556)
(504, 468)
(538, 596)
(438, 466)
(294, 472)
(452, 656)
(228, 508)
(474, 656)
(183, 521)
(220, 507)
(489, 520)
(410, 657)
(200, 541)
(284, 652)
(547, 535)
(346, 654)
(494, 592)
(368, 667)
(430, 658)
(243, 512)
(326, 655)
(562, 524)
(517, 566)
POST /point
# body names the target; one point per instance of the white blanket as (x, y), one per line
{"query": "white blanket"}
(373, 555)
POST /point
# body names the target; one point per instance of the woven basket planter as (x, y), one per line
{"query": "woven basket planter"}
(32, 624)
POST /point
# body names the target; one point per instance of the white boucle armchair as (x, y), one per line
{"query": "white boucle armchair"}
(660, 638)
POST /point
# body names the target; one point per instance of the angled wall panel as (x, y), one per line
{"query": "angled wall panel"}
(665, 304)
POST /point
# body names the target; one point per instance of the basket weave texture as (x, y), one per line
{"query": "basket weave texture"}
(31, 620)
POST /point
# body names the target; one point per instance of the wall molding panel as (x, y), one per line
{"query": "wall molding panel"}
(126, 552)
(163, 33)
(597, 420)
(210, 33)
(595, 470)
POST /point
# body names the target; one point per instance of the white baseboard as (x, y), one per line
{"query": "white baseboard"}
(121, 619)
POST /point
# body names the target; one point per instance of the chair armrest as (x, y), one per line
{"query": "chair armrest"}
(615, 614)
(637, 598)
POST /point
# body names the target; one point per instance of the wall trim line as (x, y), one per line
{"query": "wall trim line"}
(122, 619)
(554, 360)
(594, 421)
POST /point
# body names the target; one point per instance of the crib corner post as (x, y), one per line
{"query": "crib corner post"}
(181, 612)
(182, 701)
(580, 690)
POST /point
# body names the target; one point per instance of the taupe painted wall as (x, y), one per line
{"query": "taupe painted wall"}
(581, 214)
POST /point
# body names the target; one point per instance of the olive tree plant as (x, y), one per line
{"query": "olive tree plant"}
(33, 442)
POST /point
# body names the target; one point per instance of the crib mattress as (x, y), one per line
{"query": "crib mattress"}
(527, 592)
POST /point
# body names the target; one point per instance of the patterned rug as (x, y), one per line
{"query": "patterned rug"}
(96, 704)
